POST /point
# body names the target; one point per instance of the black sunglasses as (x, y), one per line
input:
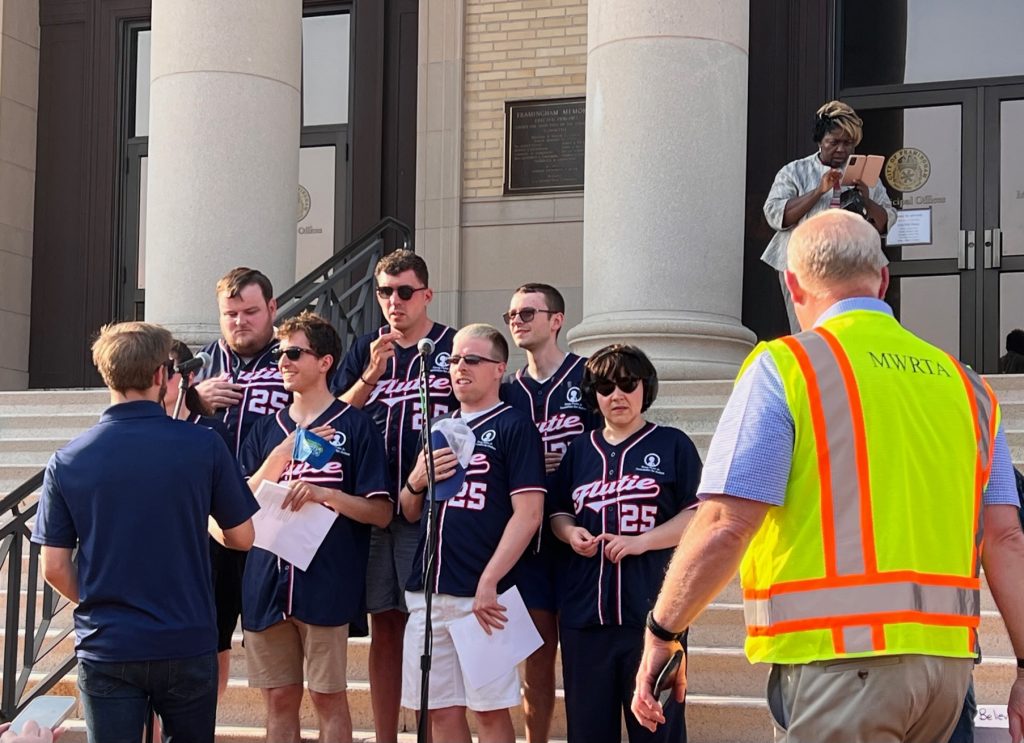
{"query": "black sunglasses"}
(405, 291)
(605, 387)
(293, 353)
(525, 315)
(470, 358)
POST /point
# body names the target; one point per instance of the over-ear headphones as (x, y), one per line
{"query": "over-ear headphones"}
(649, 380)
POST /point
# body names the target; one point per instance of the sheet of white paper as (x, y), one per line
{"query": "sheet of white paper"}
(485, 657)
(294, 536)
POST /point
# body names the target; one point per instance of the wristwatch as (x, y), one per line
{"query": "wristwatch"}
(660, 632)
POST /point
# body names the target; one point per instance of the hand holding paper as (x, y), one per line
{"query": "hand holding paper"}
(294, 536)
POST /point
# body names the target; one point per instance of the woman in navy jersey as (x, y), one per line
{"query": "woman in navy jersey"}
(621, 499)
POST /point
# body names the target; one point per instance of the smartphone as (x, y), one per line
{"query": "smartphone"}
(666, 678)
(864, 168)
(47, 711)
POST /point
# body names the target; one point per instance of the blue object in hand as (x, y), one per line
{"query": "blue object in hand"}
(312, 449)
(445, 489)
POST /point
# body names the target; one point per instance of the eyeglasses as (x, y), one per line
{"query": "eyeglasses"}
(525, 315)
(404, 291)
(470, 358)
(293, 353)
(605, 387)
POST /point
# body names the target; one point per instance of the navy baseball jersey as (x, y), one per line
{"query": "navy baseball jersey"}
(394, 403)
(331, 592)
(508, 459)
(555, 405)
(264, 391)
(628, 489)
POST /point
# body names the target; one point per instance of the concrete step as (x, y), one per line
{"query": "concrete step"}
(51, 425)
(711, 719)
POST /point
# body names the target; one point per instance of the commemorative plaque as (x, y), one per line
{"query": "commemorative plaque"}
(544, 145)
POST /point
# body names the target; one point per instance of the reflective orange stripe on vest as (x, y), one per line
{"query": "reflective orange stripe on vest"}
(853, 599)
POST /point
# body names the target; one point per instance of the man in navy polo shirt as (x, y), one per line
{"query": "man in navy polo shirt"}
(289, 615)
(548, 390)
(134, 494)
(381, 374)
(483, 531)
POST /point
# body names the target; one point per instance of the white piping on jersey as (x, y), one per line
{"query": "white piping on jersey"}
(604, 466)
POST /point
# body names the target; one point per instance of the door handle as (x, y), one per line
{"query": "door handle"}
(997, 247)
(986, 241)
(965, 250)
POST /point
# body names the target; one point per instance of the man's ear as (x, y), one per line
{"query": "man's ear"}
(885, 283)
(272, 306)
(798, 293)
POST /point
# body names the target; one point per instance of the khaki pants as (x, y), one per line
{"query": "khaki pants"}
(884, 699)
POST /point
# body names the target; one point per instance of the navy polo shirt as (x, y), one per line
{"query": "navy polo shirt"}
(331, 592)
(508, 459)
(134, 493)
(626, 488)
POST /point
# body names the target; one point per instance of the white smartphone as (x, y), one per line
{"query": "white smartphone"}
(48, 712)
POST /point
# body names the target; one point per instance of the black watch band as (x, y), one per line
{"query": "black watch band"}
(1020, 664)
(414, 492)
(660, 632)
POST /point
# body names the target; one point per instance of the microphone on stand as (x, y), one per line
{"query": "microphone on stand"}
(195, 363)
(425, 347)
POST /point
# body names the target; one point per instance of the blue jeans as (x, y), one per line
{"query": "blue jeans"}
(183, 691)
(964, 730)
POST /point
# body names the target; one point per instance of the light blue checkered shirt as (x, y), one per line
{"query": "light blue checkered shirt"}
(752, 449)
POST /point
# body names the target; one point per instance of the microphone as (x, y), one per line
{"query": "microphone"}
(425, 347)
(196, 363)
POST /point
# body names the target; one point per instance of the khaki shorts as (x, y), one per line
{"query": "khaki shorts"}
(275, 656)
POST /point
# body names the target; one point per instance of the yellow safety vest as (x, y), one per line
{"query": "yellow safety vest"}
(877, 548)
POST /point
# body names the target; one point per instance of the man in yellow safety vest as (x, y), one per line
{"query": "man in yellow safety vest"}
(854, 471)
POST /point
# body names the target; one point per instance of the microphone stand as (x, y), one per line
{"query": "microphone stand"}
(430, 569)
(183, 386)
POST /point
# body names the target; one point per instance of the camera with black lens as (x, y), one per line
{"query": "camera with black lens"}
(852, 201)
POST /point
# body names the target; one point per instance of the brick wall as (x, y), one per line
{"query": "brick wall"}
(515, 49)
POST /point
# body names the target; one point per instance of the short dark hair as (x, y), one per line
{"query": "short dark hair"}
(234, 281)
(1015, 341)
(323, 338)
(615, 362)
(401, 260)
(553, 297)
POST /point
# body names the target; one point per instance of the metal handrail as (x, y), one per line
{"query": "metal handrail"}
(339, 289)
(28, 628)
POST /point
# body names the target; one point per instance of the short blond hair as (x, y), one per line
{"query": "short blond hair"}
(835, 248)
(127, 354)
(490, 333)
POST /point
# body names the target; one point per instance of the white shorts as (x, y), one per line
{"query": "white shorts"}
(448, 687)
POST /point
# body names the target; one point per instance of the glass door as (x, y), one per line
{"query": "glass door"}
(929, 140)
(1002, 237)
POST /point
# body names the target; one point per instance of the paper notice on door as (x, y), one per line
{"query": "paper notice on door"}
(913, 227)
(484, 658)
(294, 536)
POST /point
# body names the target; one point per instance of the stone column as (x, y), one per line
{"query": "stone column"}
(223, 153)
(665, 164)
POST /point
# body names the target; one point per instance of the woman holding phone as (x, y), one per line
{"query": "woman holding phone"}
(620, 499)
(812, 184)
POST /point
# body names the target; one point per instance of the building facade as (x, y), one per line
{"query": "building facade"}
(146, 146)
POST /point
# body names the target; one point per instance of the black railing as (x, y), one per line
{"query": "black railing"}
(341, 289)
(27, 636)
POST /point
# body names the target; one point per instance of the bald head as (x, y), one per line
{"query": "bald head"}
(836, 252)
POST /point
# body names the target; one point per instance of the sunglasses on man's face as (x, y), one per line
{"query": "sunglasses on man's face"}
(526, 314)
(404, 291)
(292, 353)
(470, 358)
(605, 387)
